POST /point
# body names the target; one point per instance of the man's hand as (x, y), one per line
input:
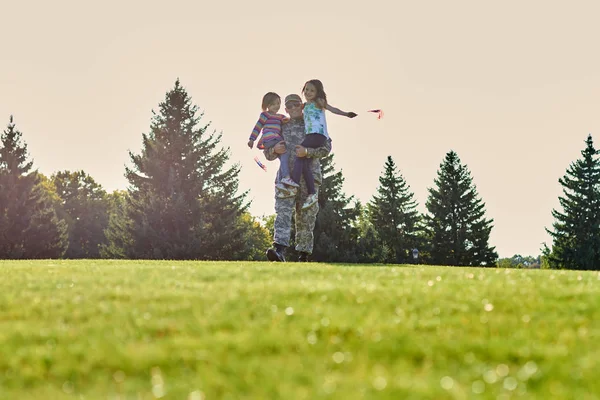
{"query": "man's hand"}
(279, 148)
(251, 143)
(301, 151)
(351, 114)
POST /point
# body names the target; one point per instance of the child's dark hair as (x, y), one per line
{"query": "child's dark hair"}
(319, 86)
(268, 99)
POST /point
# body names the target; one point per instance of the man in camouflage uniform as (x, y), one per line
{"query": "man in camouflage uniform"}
(286, 202)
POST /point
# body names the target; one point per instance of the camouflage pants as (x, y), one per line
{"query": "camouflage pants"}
(305, 219)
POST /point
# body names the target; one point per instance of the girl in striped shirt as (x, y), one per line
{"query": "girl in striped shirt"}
(269, 123)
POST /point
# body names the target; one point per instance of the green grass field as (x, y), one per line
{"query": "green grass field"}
(203, 330)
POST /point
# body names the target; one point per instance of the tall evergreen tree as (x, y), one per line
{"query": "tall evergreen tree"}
(335, 233)
(182, 199)
(119, 240)
(85, 209)
(369, 246)
(393, 213)
(459, 231)
(29, 227)
(576, 233)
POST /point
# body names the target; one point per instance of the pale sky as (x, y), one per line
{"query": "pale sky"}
(511, 86)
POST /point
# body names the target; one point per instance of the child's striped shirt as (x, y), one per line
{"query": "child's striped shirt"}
(270, 125)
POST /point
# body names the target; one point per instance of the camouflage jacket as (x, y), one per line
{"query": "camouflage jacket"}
(293, 134)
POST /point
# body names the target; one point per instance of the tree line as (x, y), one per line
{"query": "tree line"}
(183, 202)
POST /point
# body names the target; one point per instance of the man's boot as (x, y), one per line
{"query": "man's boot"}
(275, 253)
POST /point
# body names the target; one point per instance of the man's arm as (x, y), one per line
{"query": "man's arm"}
(272, 153)
(319, 152)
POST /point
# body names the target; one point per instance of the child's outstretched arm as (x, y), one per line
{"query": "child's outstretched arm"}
(340, 112)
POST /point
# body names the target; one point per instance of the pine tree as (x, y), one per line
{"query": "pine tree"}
(85, 209)
(576, 233)
(29, 227)
(119, 241)
(459, 232)
(369, 246)
(335, 234)
(182, 199)
(393, 213)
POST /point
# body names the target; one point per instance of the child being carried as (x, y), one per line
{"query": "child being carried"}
(269, 123)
